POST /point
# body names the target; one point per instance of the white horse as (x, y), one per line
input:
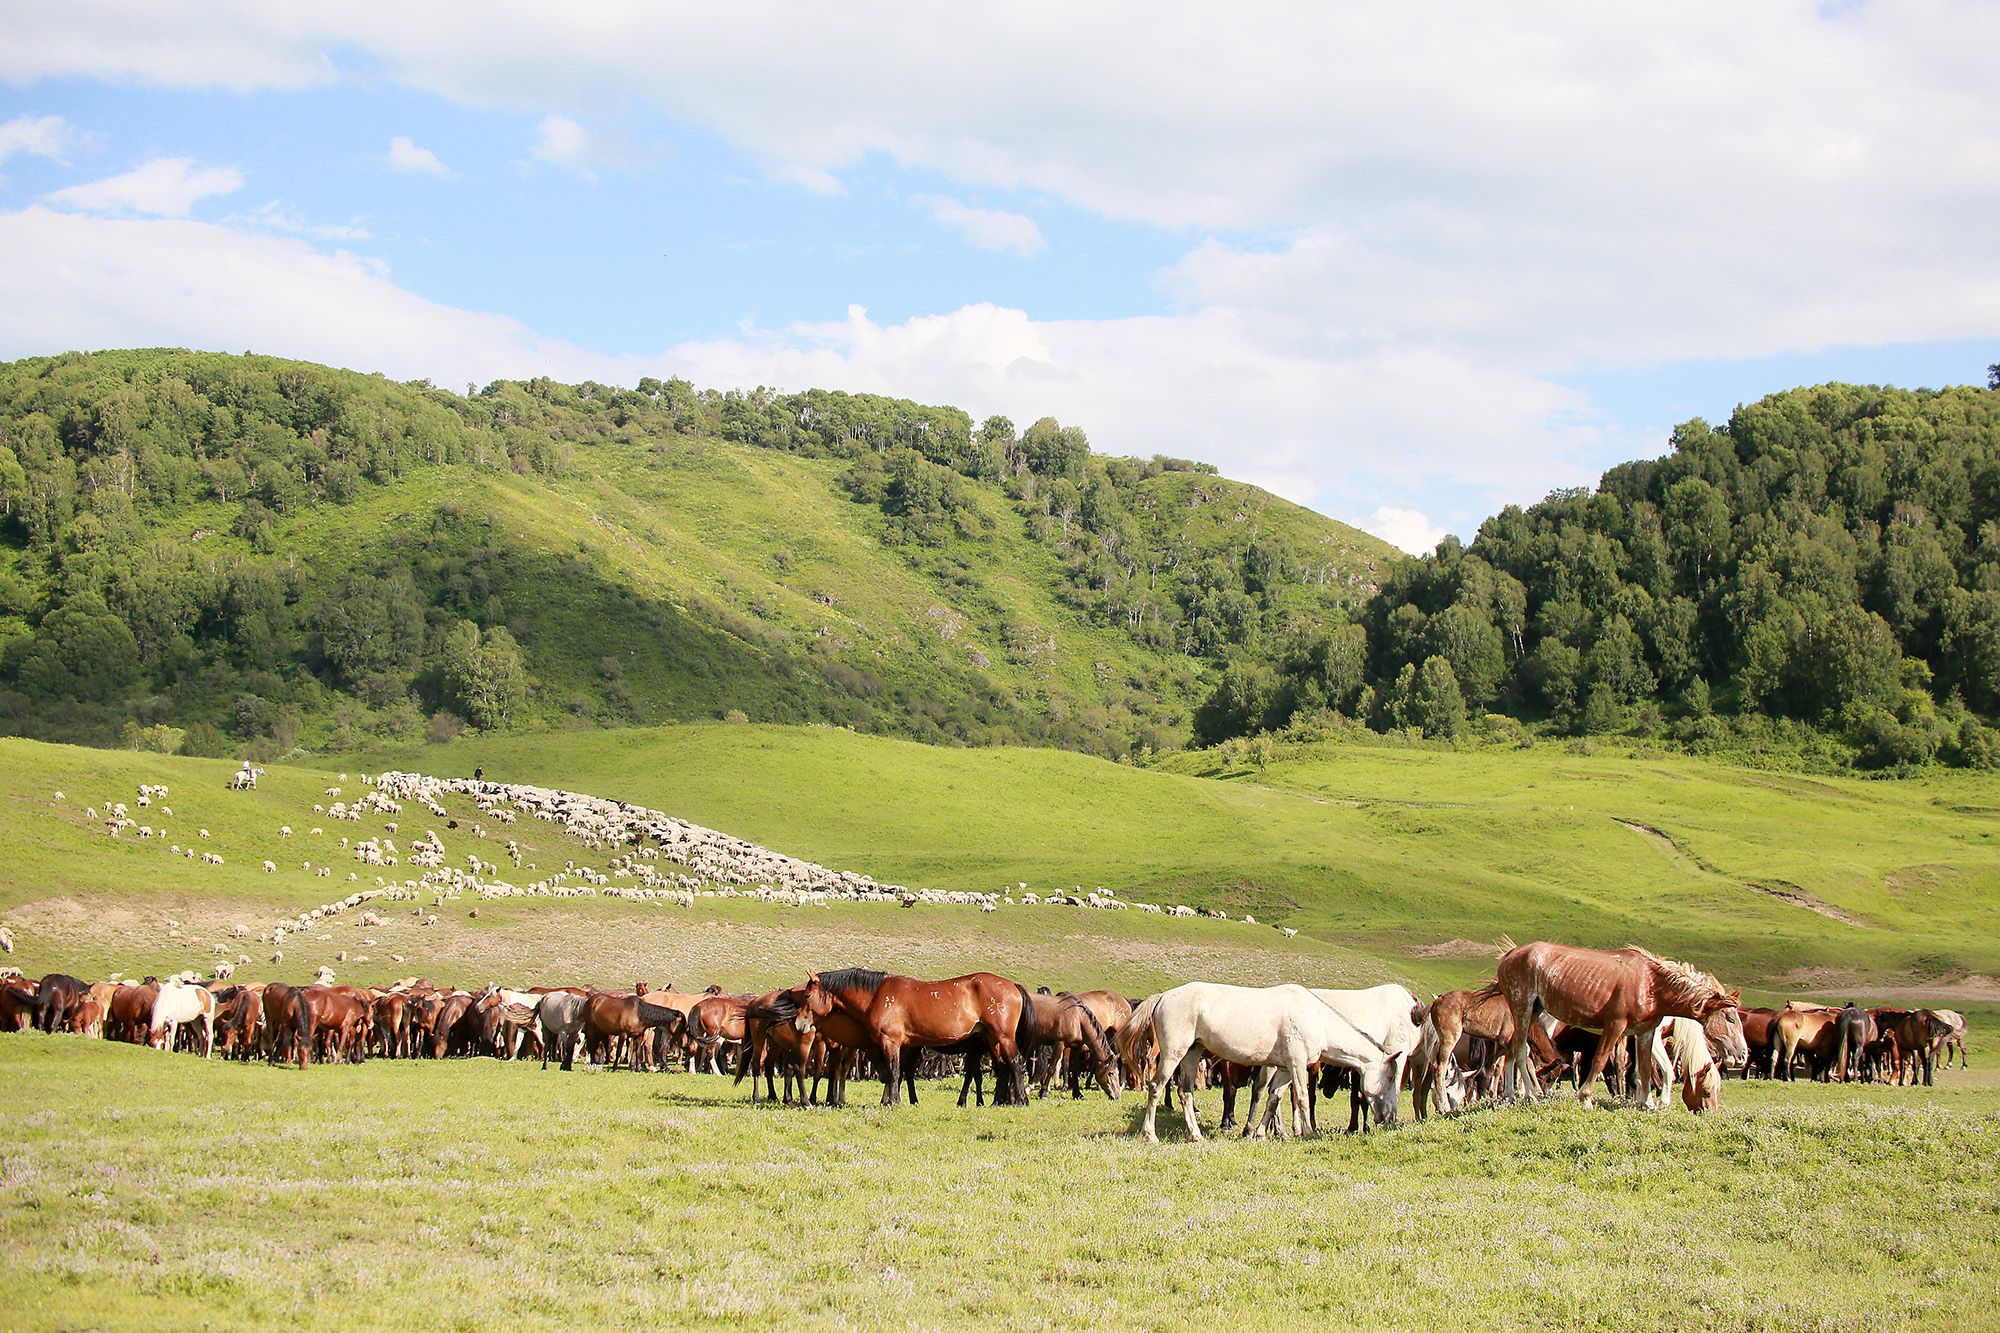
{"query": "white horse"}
(1678, 1052)
(1388, 1016)
(1286, 1028)
(179, 1003)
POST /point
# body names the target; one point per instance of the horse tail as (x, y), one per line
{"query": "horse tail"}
(751, 1038)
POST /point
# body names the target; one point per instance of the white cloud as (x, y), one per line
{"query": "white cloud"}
(406, 155)
(561, 142)
(1407, 529)
(1578, 183)
(987, 228)
(1389, 428)
(280, 217)
(37, 136)
(165, 187)
(127, 282)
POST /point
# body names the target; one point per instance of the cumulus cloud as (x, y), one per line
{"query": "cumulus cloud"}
(1404, 528)
(987, 228)
(165, 187)
(406, 155)
(37, 136)
(136, 282)
(1345, 434)
(1452, 205)
(561, 142)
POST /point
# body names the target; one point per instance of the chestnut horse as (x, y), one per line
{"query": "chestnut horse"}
(713, 1020)
(1798, 1027)
(1760, 1035)
(904, 1013)
(1071, 1032)
(607, 1016)
(1483, 1013)
(1610, 992)
(1918, 1033)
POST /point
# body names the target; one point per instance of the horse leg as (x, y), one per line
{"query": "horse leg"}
(1228, 1102)
(1607, 1042)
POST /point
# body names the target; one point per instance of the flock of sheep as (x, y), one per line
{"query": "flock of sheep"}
(648, 857)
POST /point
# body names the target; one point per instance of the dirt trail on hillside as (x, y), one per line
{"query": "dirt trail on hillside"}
(1783, 890)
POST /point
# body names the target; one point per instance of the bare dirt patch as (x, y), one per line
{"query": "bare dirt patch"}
(1456, 949)
(1798, 897)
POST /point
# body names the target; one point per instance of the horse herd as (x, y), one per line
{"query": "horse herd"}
(1640, 1022)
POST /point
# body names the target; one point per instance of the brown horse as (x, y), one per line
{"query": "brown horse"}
(713, 1020)
(1918, 1033)
(1799, 1027)
(131, 1012)
(903, 1013)
(612, 1018)
(341, 1018)
(1485, 1014)
(1760, 1034)
(55, 995)
(1610, 992)
(288, 1023)
(840, 1038)
(1068, 1032)
(17, 1004)
(773, 1041)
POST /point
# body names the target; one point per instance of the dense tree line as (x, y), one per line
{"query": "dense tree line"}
(1828, 559)
(147, 590)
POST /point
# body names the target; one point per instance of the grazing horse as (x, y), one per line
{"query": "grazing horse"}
(1286, 1028)
(630, 1017)
(1954, 1020)
(1389, 1016)
(54, 996)
(713, 1020)
(1798, 1028)
(1919, 1033)
(1760, 1035)
(902, 1014)
(17, 1004)
(561, 1016)
(288, 1023)
(1485, 1014)
(1853, 1030)
(177, 1004)
(1071, 1031)
(238, 1014)
(1610, 992)
(1679, 1053)
(130, 1013)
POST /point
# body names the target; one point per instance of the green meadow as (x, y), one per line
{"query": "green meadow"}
(145, 1191)
(150, 1191)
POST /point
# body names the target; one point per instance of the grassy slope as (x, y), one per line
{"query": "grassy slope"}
(1369, 851)
(145, 1190)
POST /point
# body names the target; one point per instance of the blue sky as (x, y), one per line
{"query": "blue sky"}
(1401, 267)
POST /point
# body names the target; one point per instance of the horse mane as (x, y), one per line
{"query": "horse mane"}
(1689, 981)
(781, 1008)
(1094, 1034)
(852, 979)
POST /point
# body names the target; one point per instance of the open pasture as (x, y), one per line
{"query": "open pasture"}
(149, 1190)
(138, 1189)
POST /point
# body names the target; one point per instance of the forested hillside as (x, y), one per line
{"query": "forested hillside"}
(1823, 571)
(215, 553)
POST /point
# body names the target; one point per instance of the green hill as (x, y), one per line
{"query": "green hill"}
(263, 554)
(1389, 862)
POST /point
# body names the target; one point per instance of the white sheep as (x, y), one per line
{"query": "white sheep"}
(201, 833)
(270, 867)
(284, 830)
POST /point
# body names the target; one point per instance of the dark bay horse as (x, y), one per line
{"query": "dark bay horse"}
(288, 1023)
(902, 1014)
(1066, 1032)
(1918, 1033)
(58, 993)
(1610, 992)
